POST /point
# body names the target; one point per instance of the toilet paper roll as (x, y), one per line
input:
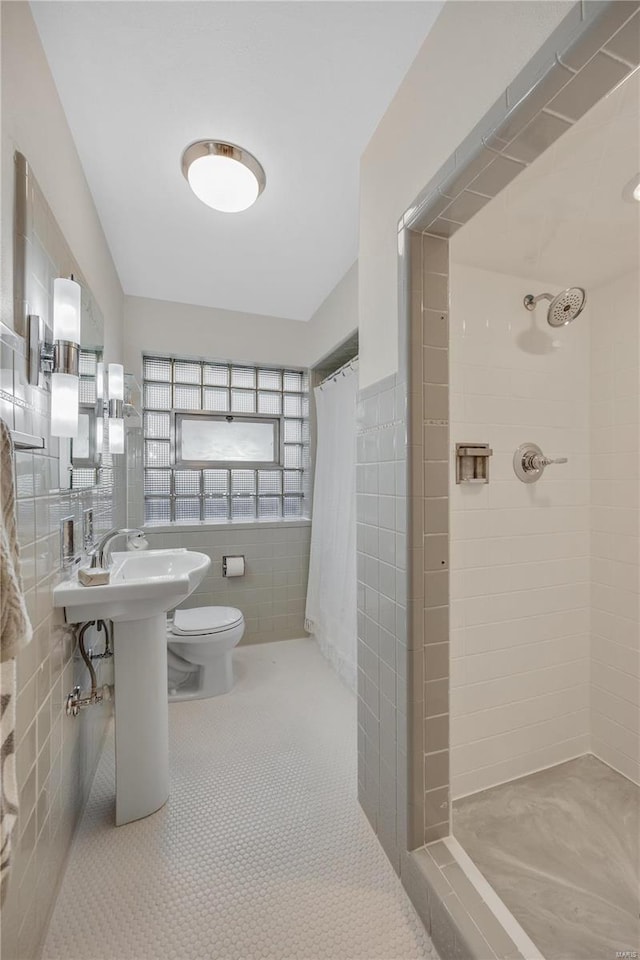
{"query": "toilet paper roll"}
(233, 566)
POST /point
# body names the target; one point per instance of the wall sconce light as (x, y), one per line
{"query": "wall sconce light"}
(99, 407)
(60, 358)
(65, 382)
(116, 407)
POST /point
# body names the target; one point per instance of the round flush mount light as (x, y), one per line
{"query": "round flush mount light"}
(632, 190)
(223, 175)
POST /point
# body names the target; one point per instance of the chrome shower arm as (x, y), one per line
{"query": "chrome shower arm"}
(530, 301)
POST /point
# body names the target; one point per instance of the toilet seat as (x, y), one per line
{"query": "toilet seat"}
(204, 621)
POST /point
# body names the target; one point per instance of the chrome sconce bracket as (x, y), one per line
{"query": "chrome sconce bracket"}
(66, 357)
(46, 355)
(116, 409)
(40, 349)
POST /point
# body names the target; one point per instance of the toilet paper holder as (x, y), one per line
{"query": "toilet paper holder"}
(227, 566)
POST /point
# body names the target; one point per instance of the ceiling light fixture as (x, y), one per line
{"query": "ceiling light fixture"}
(632, 190)
(223, 175)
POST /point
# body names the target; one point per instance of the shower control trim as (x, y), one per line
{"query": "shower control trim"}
(529, 462)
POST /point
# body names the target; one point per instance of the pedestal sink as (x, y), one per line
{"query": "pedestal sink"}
(143, 586)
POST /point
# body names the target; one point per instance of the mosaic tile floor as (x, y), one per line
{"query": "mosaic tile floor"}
(262, 850)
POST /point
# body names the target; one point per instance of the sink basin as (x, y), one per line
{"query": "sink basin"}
(143, 584)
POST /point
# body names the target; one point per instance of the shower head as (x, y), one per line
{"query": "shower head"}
(563, 308)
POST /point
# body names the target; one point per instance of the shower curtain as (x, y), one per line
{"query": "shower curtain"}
(331, 593)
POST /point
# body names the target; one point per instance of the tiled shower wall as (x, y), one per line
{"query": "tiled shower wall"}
(382, 611)
(615, 527)
(272, 593)
(403, 622)
(429, 537)
(55, 755)
(520, 565)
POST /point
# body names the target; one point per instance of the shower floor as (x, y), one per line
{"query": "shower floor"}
(561, 848)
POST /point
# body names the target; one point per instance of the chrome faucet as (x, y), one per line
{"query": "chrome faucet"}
(101, 552)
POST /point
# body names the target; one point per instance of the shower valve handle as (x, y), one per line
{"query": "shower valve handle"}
(538, 462)
(529, 462)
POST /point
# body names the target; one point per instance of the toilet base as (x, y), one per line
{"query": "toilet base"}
(210, 680)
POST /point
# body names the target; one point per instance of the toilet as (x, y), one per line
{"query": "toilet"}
(200, 643)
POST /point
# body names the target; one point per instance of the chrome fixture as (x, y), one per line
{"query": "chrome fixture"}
(87, 528)
(59, 356)
(472, 462)
(100, 552)
(100, 407)
(26, 441)
(76, 701)
(529, 462)
(563, 308)
(223, 175)
(67, 544)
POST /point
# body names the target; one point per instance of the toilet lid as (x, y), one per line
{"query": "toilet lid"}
(205, 620)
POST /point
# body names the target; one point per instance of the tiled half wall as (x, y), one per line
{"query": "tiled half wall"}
(272, 593)
(382, 611)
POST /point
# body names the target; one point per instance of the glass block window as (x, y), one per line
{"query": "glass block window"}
(224, 490)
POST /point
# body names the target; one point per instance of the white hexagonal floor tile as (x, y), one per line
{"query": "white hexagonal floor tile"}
(262, 850)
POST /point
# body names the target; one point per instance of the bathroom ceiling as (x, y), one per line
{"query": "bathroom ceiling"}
(564, 219)
(302, 85)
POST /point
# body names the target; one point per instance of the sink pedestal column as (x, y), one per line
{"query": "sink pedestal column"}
(141, 717)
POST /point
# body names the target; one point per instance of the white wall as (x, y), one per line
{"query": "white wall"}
(34, 123)
(470, 56)
(615, 527)
(182, 329)
(336, 318)
(520, 569)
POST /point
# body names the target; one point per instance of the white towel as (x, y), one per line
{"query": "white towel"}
(15, 632)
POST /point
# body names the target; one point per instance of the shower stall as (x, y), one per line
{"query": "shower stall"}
(544, 544)
(522, 298)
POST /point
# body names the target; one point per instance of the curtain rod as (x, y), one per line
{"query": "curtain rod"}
(349, 365)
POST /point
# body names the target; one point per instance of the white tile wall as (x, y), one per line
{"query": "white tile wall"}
(615, 527)
(55, 755)
(520, 557)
